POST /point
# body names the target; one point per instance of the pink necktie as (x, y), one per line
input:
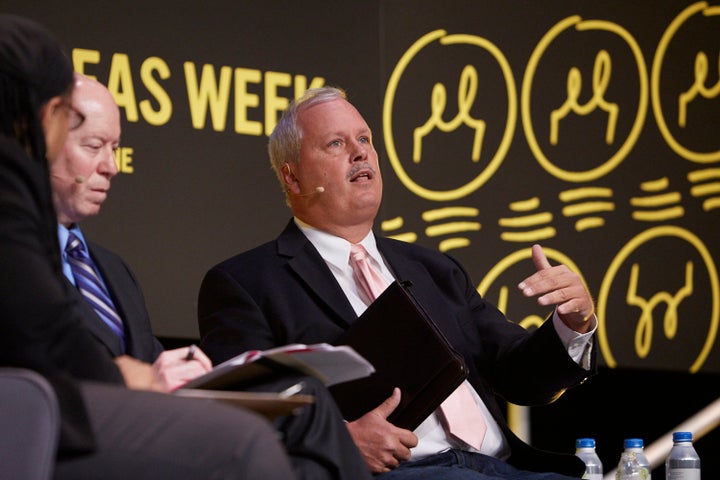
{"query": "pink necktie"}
(371, 283)
(463, 417)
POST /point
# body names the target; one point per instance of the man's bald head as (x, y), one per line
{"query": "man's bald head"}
(82, 172)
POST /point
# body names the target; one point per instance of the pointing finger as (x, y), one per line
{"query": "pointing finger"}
(539, 259)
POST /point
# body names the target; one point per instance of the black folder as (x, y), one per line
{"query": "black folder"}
(397, 336)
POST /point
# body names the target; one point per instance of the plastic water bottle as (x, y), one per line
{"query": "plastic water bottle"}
(636, 445)
(628, 468)
(633, 463)
(585, 451)
(683, 462)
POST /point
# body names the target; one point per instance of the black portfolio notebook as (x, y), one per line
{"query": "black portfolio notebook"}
(396, 335)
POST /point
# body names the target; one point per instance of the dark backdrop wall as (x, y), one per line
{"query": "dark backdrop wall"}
(588, 127)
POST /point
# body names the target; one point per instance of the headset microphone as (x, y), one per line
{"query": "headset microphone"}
(316, 190)
(77, 179)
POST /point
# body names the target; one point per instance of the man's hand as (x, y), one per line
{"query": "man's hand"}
(382, 444)
(137, 375)
(173, 369)
(562, 287)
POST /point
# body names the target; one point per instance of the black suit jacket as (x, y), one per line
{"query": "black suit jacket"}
(129, 301)
(41, 326)
(283, 292)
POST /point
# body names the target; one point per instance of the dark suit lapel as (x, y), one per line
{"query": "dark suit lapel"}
(129, 302)
(114, 281)
(309, 266)
(95, 324)
(403, 268)
(424, 287)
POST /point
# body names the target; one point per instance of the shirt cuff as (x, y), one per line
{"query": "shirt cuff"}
(578, 345)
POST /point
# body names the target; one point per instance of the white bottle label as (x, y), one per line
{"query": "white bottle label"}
(593, 476)
(683, 474)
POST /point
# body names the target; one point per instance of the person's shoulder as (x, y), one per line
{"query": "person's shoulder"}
(261, 255)
(249, 257)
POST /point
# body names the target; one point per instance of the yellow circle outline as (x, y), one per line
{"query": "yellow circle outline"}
(620, 155)
(697, 157)
(494, 164)
(633, 244)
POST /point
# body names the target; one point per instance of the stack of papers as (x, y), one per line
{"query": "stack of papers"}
(331, 364)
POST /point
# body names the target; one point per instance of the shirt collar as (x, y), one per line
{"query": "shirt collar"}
(64, 233)
(336, 250)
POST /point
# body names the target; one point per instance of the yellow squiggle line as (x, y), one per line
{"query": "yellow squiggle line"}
(527, 220)
(587, 207)
(453, 243)
(656, 200)
(453, 227)
(446, 212)
(540, 234)
(588, 223)
(665, 214)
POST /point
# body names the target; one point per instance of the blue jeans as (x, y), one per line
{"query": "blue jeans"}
(461, 465)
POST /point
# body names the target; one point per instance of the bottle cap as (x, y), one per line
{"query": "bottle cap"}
(585, 443)
(633, 443)
(682, 436)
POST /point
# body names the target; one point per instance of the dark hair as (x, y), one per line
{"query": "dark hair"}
(33, 69)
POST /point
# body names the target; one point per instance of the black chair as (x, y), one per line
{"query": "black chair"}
(29, 425)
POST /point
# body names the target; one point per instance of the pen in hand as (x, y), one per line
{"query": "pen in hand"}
(191, 352)
(292, 390)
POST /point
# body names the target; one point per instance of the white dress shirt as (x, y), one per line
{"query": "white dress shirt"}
(432, 437)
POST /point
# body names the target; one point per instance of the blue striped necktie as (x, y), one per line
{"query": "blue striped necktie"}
(89, 284)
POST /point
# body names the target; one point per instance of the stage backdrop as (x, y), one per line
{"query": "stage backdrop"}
(588, 127)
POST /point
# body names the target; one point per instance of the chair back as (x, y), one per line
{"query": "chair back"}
(29, 425)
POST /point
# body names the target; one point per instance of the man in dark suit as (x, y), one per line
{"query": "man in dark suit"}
(315, 437)
(300, 288)
(107, 430)
(80, 179)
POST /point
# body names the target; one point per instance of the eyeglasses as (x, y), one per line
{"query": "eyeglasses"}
(76, 118)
